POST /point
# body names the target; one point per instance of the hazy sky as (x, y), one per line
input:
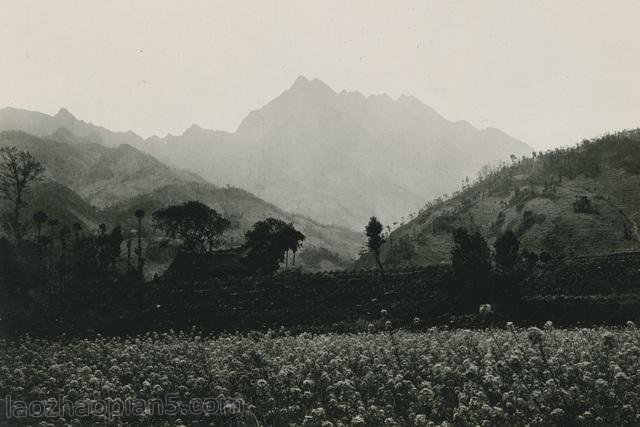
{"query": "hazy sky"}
(547, 72)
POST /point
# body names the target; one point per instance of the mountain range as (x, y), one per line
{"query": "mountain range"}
(338, 158)
(91, 183)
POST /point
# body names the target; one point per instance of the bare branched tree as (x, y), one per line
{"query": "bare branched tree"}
(17, 170)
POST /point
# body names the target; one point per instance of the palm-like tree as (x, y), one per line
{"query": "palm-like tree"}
(139, 214)
(39, 218)
(53, 223)
(129, 253)
(64, 233)
(293, 241)
(77, 227)
(49, 241)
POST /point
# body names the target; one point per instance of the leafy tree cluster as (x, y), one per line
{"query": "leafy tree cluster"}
(198, 226)
(200, 230)
(485, 276)
(268, 244)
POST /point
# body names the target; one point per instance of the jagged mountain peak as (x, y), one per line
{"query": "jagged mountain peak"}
(63, 113)
(301, 81)
(195, 130)
(304, 85)
(197, 133)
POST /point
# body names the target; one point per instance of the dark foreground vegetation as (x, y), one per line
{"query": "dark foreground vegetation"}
(93, 299)
(265, 344)
(507, 377)
(58, 278)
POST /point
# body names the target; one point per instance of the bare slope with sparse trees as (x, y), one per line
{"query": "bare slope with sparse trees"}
(565, 203)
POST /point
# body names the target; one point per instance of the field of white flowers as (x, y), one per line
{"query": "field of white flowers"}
(510, 376)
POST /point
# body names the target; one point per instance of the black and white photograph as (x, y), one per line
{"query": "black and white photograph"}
(319, 213)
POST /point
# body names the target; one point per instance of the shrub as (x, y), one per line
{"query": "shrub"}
(529, 219)
(584, 205)
(444, 223)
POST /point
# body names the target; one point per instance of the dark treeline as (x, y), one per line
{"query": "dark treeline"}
(64, 279)
(88, 296)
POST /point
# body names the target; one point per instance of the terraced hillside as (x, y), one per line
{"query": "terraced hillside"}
(583, 200)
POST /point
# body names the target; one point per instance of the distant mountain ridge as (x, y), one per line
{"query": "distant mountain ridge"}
(41, 124)
(101, 175)
(335, 157)
(90, 183)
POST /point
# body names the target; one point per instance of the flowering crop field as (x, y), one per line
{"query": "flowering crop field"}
(508, 376)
